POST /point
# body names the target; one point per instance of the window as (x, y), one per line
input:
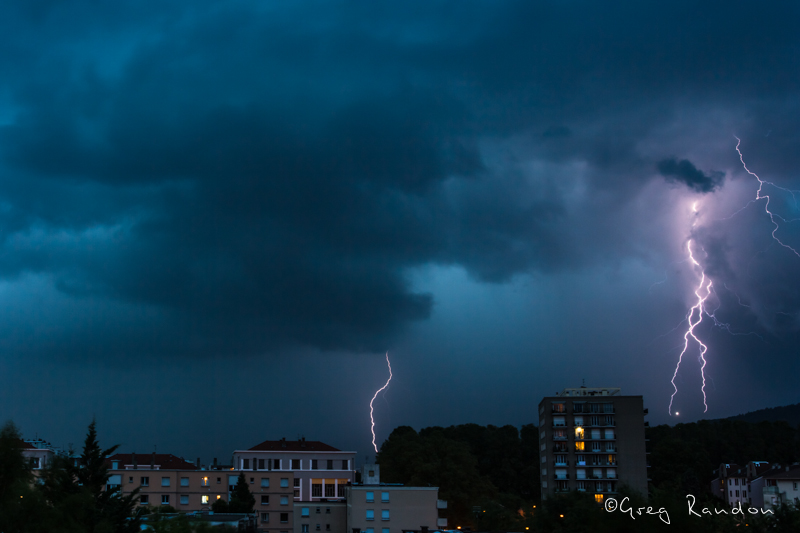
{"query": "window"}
(264, 482)
(114, 465)
(165, 499)
(327, 510)
(204, 499)
(184, 482)
(369, 530)
(184, 499)
(252, 480)
(371, 473)
(330, 490)
(284, 482)
(345, 465)
(598, 498)
(265, 518)
(304, 528)
(559, 408)
(145, 482)
(328, 528)
(330, 464)
(276, 464)
(318, 528)
(305, 512)
(316, 490)
(296, 493)
(284, 518)
(559, 421)
(385, 514)
(318, 510)
(384, 496)
(204, 481)
(370, 496)
(165, 482)
(245, 464)
(219, 480)
(284, 500)
(260, 464)
(296, 482)
(580, 446)
(385, 530)
(265, 499)
(314, 466)
(578, 420)
(341, 489)
(144, 499)
(370, 514)
(794, 485)
(295, 464)
(130, 479)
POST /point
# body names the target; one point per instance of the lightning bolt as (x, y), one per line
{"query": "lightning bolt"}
(772, 216)
(371, 411)
(698, 307)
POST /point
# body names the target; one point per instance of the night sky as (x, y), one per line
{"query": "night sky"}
(217, 217)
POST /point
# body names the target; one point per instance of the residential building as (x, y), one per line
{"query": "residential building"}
(782, 485)
(742, 485)
(38, 452)
(320, 471)
(165, 479)
(375, 507)
(310, 517)
(592, 440)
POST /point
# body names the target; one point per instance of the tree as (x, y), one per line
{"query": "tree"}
(242, 500)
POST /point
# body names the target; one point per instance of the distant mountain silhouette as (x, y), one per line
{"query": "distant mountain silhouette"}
(787, 413)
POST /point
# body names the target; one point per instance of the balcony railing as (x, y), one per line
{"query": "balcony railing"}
(560, 476)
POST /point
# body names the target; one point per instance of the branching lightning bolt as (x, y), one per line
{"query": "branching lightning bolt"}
(759, 196)
(371, 411)
(690, 330)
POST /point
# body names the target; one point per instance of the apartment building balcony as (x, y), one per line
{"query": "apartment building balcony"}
(771, 490)
(558, 477)
(562, 463)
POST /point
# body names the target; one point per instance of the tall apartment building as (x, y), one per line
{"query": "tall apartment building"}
(321, 472)
(592, 440)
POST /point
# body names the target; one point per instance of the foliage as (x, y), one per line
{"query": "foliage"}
(242, 500)
(685, 457)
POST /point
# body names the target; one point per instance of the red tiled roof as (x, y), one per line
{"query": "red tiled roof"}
(787, 472)
(165, 461)
(284, 445)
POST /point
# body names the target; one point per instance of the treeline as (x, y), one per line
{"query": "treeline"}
(66, 497)
(490, 478)
(487, 474)
(685, 457)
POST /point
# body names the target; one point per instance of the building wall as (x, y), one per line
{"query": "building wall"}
(595, 451)
(310, 517)
(197, 490)
(410, 508)
(306, 476)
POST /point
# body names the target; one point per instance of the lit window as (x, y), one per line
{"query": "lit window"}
(580, 446)
(370, 496)
(204, 499)
(204, 482)
(598, 498)
(579, 432)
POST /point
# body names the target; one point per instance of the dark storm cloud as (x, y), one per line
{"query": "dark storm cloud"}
(267, 175)
(685, 172)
